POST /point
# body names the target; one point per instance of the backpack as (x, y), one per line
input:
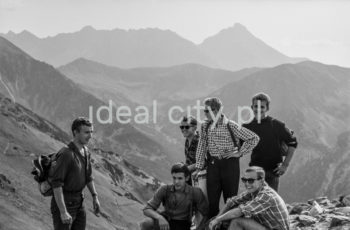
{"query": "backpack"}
(41, 169)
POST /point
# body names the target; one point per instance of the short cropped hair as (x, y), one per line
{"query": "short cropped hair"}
(213, 102)
(79, 122)
(259, 171)
(180, 168)
(262, 97)
(190, 120)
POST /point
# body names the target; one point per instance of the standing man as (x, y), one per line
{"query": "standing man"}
(179, 201)
(69, 175)
(272, 132)
(188, 128)
(258, 208)
(218, 146)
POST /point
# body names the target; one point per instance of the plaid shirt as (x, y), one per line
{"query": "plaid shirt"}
(265, 207)
(219, 141)
(190, 149)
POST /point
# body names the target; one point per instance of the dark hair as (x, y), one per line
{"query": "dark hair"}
(189, 119)
(180, 168)
(262, 97)
(213, 102)
(259, 171)
(80, 121)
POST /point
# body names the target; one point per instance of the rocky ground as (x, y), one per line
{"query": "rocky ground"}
(321, 213)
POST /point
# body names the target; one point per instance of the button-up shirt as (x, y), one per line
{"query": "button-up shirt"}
(264, 206)
(217, 139)
(191, 149)
(70, 171)
(177, 204)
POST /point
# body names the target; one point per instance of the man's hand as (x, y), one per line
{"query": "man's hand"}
(66, 218)
(195, 174)
(214, 224)
(163, 223)
(96, 205)
(280, 170)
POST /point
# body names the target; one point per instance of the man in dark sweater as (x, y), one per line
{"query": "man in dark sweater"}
(273, 134)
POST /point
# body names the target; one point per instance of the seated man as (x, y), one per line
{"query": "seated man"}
(258, 208)
(179, 201)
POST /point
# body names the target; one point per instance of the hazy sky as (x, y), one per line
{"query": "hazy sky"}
(319, 30)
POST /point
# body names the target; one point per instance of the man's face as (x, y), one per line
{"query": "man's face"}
(187, 129)
(207, 112)
(263, 108)
(83, 136)
(179, 180)
(251, 182)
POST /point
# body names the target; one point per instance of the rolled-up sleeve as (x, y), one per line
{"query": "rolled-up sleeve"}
(250, 138)
(59, 168)
(287, 135)
(157, 199)
(256, 206)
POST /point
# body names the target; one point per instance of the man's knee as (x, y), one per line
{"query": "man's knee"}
(235, 224)
(147, 224)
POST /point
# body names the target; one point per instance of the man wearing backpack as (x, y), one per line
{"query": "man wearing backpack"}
(69, 174)
(273, 134)
(219, 147)
(179, 201)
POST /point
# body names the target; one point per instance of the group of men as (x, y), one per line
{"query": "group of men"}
(217, 149)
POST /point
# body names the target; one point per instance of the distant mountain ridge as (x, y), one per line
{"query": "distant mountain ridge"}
(236, 48)
(122, 48)
(141, 85)
(233, 49)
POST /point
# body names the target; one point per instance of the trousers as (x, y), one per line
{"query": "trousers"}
(222, 177)
(75, 208)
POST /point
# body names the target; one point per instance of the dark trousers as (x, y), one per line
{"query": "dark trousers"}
(272, 179)
(75, 208)
(176, 225)
(222, 176)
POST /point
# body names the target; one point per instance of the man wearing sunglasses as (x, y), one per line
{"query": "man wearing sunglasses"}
(273, 133)
(219, 148)
(188, 127)
(258, 208)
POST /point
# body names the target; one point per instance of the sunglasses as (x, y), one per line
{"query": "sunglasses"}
(249, 180)
(185, 127)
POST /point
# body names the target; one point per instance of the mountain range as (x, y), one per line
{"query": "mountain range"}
(312, 98)
(38, 101)
(232, 49)
(48, 93)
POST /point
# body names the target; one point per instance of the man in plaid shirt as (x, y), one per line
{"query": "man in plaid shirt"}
(258, 208)
(219, 147)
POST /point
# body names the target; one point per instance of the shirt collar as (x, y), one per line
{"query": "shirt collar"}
(186, 189)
